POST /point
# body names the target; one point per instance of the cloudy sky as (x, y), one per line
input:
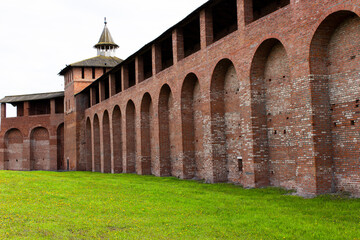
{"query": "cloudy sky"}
(39, 37)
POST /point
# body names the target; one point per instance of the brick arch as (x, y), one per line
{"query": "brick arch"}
(167, 131)
(106, 143)
(319, 54)
(335, 85)
(60, 147)
(192, 133)
(130, 138)
(14, 150)
(271, 88)
(117, 140)
(146, 134)
(88, 146)
(96, 145)
(40, 149)
(225, 120)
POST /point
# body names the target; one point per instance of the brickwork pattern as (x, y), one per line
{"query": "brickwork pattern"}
(253, 108)
(273, 101)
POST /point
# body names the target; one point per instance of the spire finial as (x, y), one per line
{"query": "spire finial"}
(105, 20)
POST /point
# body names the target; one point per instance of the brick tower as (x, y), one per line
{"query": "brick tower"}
(78, 76)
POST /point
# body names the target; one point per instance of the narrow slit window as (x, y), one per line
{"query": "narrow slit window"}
(93, 73)
(240, 164)
(107, 88)
(132, 74)
(118, 82)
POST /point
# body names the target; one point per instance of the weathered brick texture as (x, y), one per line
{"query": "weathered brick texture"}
(273, 103)
(270, 100)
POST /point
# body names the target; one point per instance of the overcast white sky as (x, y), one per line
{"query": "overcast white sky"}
(38, 37)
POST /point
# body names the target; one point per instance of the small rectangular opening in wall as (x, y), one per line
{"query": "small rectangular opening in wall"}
(166, 48)
(118, 81)
(82, 72)
(39, 107)
(191, 36)
(107, 87)
(147, 64)
(224, 17)
(132, 75)
(93, 72)
(240, 164)
(87, 93)
(261, 8)
(97, 94)
(59, 105)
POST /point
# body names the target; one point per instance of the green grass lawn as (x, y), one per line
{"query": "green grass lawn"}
(79, 205)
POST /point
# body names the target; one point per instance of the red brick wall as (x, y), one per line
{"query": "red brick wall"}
(24, 139)
(256, 107)
(275, 103)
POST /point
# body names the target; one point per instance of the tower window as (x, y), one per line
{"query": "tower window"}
(82, 72)
(93, 73)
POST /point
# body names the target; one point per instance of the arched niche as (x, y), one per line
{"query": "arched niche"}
(14, 150)
(335, 85)
(106, 143)
(146, 134)
(130, 137)
(40, 149)
(117, 140)
(225, 121)
(191, 116)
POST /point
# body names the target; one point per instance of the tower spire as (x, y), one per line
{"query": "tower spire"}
(106, 45)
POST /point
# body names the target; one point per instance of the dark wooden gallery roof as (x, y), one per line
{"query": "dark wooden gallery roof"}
(32, 97)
